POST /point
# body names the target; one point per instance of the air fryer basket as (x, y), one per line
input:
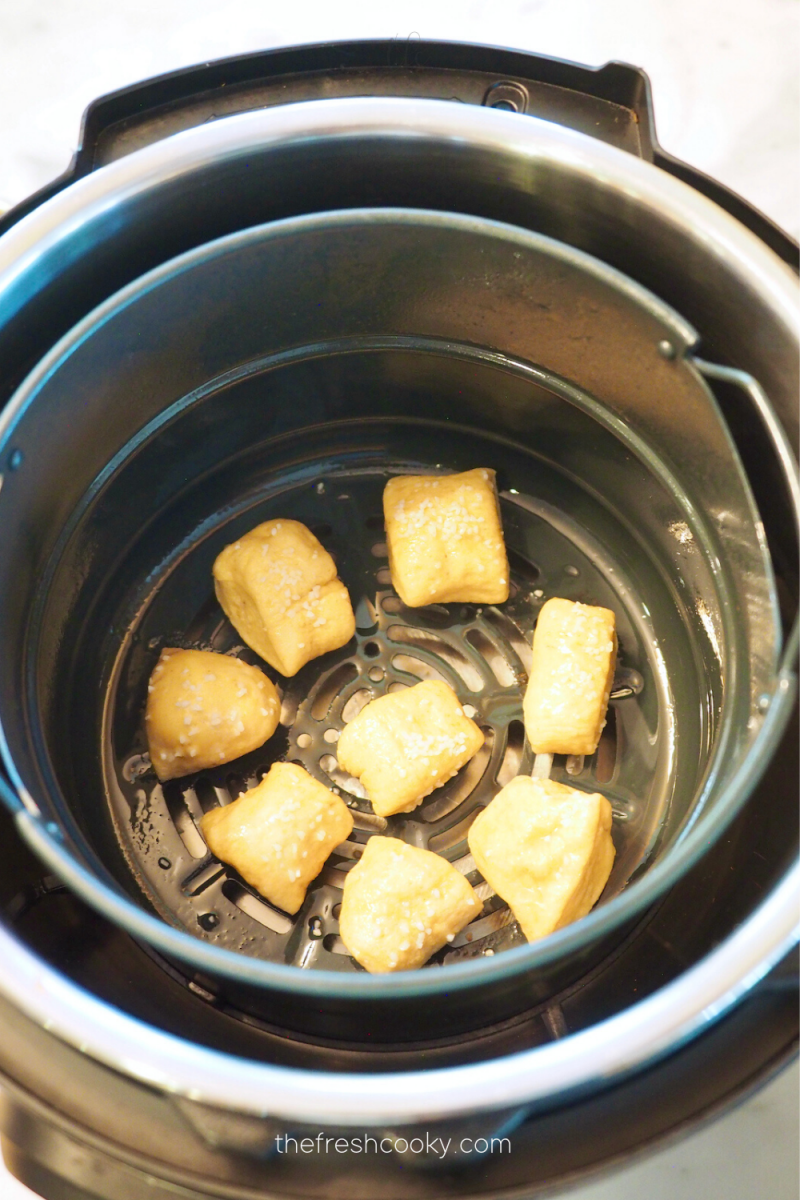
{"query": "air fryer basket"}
(287, 371)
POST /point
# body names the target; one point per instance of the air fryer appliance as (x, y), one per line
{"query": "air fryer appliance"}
(263, 286)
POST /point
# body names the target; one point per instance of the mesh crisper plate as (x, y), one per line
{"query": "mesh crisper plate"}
(481, 651)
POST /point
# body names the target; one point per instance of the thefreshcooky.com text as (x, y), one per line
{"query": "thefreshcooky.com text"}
(367, 1144)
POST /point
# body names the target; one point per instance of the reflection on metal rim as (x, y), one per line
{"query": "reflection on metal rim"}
(597, 1056)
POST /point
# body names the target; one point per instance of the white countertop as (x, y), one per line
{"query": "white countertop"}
(725, 82)
(725, 76)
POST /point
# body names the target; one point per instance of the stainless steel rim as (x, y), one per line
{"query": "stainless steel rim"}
(595, 1057)
(534, 140)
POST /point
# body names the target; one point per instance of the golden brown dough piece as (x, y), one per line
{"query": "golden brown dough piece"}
(402, 904)
(204, 709)
(279, 834)
(546, 850)
(278, 587)
(572, 671)
(445, 538)
(404, 744)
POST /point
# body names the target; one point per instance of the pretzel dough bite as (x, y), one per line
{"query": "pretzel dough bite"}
(204, 709)
(445, 539)
(404, 744)
(278, 587)
(572, 671)
(402, 904)
(279, 834)
(546, 849)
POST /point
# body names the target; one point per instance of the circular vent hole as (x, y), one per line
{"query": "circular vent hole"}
(304, 740)
(372, 649)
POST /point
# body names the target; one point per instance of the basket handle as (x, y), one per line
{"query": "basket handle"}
(759, 431)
